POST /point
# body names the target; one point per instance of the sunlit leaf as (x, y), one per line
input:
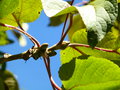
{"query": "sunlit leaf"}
(108, 42)
(98, 17)
(77, 24)
(28, 10)
(7, 7)
(79, 72)
(118, 1)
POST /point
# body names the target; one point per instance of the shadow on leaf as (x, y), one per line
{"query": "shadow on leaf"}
(64, 69)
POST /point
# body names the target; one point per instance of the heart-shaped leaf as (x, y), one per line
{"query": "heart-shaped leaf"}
(110, 41)
(79, 72)
(98, 17)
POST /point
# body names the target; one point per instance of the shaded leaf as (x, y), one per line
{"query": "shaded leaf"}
(87, 72)
(9, 80)
(7, 7)
(2, 87)
(118, 18)
(55, 21)
(4, 39)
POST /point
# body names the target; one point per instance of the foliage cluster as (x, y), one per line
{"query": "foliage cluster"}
(90, 61)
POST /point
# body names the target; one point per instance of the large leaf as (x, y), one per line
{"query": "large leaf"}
(4, 39)
(87, 72)
(28, 10)
(98, 17)
(7, 7)
(110, 41)
(10, 20)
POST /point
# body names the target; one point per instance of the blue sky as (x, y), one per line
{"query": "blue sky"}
(32, 75)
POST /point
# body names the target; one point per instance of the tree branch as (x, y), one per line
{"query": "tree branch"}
(64, 35)
(17, 21)
(20, 30)
(97, 48)
(63, 30)
(78, 50)
(11, 58)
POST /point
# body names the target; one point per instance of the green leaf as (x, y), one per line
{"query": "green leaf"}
(2, 87)
(4, 39)
(55, 21)
(23, 13)
(9, 80)
(118, 18)
(98, 17)
(28, 10)
(77, 25)
(10, 20)
(118, 1)
(108, 42)
(87, 72)
(7, 7)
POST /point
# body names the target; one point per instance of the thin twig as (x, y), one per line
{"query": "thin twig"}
(72, 2)
(88, 46)
(64, 35)
(54, 85)
(82, 3)
(63, 30)
(53, 82)
(20, 30)
(78, 50)
(46, 64)
(17, 21)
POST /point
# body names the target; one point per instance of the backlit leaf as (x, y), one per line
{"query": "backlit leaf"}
(7, 7)
(108, 42)
(79, 72)
(28, 10)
